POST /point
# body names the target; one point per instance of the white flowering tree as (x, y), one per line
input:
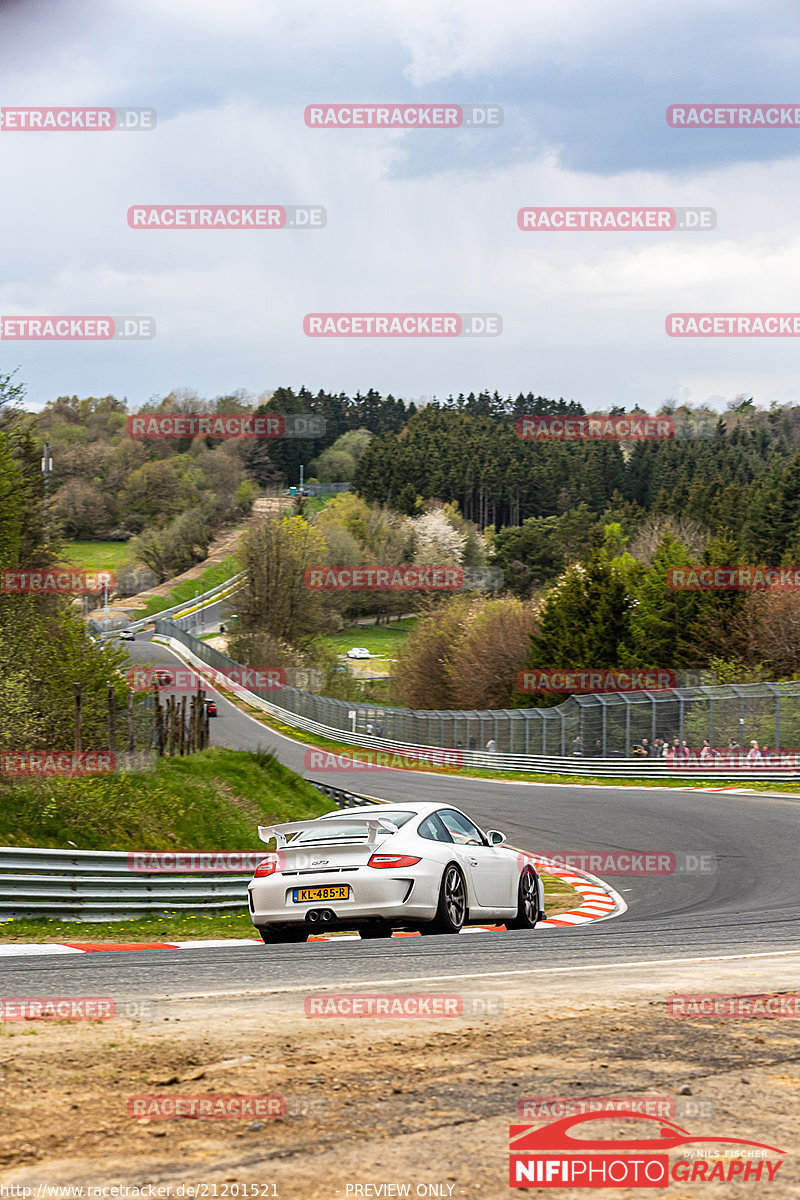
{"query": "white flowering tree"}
(436, 542)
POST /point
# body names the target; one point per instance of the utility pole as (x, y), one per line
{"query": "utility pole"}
(47, 470)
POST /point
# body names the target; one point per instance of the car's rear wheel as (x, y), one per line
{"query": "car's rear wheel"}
(527, 902)
(375, 931)
(271, 935)
(452, 909)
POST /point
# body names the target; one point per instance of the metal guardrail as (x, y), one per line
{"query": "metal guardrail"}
(342, 798)
(100, 885)
(609, 723)
(92, 885)
(186, 606)
(198, 654)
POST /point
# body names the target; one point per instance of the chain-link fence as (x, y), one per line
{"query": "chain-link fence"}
(606, 726)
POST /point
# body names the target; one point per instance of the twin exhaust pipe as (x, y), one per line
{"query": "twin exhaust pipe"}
(320, 916)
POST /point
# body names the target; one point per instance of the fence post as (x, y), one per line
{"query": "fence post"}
(112, 712)
(627, 727)
(78, 707)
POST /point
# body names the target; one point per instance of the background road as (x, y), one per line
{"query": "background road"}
(750, 904)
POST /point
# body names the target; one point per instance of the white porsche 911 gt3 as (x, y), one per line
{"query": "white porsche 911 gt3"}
(415, 866)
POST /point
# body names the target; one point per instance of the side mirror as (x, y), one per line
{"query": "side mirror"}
(495, 838)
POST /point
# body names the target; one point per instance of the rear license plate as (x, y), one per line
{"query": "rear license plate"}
(307, 895)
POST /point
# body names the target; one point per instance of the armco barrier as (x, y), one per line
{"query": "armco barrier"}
(220, 592)
(98, 885)
(344, 722)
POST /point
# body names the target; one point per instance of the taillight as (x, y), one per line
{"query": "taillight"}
(267, 866)
(392, 860)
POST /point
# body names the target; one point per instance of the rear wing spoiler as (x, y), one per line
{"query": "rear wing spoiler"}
(375, 826)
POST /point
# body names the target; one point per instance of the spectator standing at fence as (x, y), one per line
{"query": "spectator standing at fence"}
(754, 754)
(598, 749)
(708, 754)
(491, 746)
(577, 746)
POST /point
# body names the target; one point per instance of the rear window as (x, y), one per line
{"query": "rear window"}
(347, 827)
(398, 818)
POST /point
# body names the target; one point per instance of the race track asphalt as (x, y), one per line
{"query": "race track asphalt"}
(749, 904)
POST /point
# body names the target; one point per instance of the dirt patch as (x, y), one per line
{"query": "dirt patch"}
(379, 1100)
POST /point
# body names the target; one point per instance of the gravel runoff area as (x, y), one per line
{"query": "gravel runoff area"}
(401, 1101)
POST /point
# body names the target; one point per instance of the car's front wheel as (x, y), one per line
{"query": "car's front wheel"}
(452, 909)
(527, 902)
(271, 935)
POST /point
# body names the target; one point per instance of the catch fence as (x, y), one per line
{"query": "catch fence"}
(590, 726)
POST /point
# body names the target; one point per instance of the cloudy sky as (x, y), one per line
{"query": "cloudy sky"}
(417, 220)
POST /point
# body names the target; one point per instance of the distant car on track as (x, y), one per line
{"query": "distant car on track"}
(211, 707)
(418, 866)
(126, 635)
(358, 652)
(164, 678)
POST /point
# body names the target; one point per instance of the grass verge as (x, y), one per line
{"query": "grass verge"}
(208, 801)
(96, 556)
(186, 591)
(378, 639)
